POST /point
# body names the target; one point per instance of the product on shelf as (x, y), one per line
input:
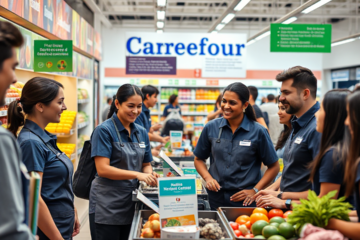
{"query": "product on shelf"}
(167, 92)
(67, 148)
(82, 93)
(66, 122)
(197, 108)
(13, 92)
(207, 94)
(82, 117)
(190, 94)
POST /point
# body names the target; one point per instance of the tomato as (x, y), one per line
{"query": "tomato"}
(258, 216)
(237, 233)
(248, 224)
(249, 235)
(234, 226)
(261, 210)
(287, 214)
(275, 213)
(242, 219)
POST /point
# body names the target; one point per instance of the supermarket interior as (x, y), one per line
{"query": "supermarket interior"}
(175, 65)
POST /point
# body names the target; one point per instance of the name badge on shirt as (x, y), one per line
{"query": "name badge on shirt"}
(245, 143)
(142, 145)
(298, 140)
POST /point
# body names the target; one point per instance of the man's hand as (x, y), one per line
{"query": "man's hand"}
(270, 201)
(76, 225)
(156, 127)
(265, 192)
(166, 139)
(242, 195)
(212, 185)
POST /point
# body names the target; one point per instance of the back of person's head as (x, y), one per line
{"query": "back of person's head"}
(303, 78)
(36, 90)
(122, 95)
(109, 100)
(172, 98)
(270, 97)
(149, 89)
(243, 94)
(353, 160)
(254, 92)
(219, 99)
(10, 37)
(334, 132)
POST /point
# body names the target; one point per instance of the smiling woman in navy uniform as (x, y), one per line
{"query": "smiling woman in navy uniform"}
(122, 154)
(42, 101)
(236, 145)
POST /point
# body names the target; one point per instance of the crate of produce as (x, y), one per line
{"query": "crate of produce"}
(210, 223)
(264, 224)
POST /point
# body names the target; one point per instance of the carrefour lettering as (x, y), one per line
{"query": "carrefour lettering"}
(133, 46)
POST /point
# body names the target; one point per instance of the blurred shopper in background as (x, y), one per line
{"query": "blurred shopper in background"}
(258, 113)
(13, 190)
(106, 110)
(173, 104)
(352, 168)
(298, 95)
(271, 108)
(42, 101)
(285, 120)
(217, 111)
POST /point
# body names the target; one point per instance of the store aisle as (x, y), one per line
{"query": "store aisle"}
(84, 231)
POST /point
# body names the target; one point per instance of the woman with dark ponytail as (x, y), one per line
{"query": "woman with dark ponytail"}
(122, 155)
(41, 103)
(236, 145)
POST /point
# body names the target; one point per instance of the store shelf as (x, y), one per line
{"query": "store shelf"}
(82, 125)
(194, 113)
(82, 101)
(3, 113)
(79, 151)
(191, 101)
(65, 135)
(9, 100)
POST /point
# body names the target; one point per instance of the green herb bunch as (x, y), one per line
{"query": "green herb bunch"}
(318, 211)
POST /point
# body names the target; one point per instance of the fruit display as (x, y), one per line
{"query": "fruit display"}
(263, 224)
(67, 148)
(151, 228)
(67, 120)
(318, 211)
(82, 94)
(13, 92)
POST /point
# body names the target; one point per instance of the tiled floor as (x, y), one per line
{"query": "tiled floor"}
(84, 231)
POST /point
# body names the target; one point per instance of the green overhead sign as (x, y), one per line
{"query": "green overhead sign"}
(53, 56)
(300, 38)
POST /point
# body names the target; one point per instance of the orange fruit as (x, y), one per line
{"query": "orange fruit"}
(258, 216)
(248, 224)
(261, 210)
(242, 219)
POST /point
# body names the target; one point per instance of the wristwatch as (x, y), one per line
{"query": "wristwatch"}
(280, 195)
(288, 203)
(256, 190)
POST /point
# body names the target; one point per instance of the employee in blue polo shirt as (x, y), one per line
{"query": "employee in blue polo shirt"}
(150, 94)
(237, 145)
(42, 101)
(298, 95)
(173, 104)
(122, 155)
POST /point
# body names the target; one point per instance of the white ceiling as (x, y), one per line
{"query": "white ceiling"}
(203, 14)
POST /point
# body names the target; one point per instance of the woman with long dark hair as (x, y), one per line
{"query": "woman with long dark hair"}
(352, 168)
(122, 155)
(238, 145)
(285, 119)
(327, 169)
(42, 102)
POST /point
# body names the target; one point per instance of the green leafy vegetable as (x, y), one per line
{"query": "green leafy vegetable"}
(318, 211)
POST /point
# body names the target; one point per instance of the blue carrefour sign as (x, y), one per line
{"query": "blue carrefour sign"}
(136, 45)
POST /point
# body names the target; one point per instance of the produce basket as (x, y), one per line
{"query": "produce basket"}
(230, 214)
(142, 216)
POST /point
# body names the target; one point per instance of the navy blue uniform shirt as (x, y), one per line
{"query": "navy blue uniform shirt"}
(105, 134)
(39, 158)
(301, 148)
(170, 106)
(357, 193)
(330, 171)
(236, 160)
(144, 118)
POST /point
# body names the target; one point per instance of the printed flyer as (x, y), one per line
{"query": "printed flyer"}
(178, 202)
(176, 139)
